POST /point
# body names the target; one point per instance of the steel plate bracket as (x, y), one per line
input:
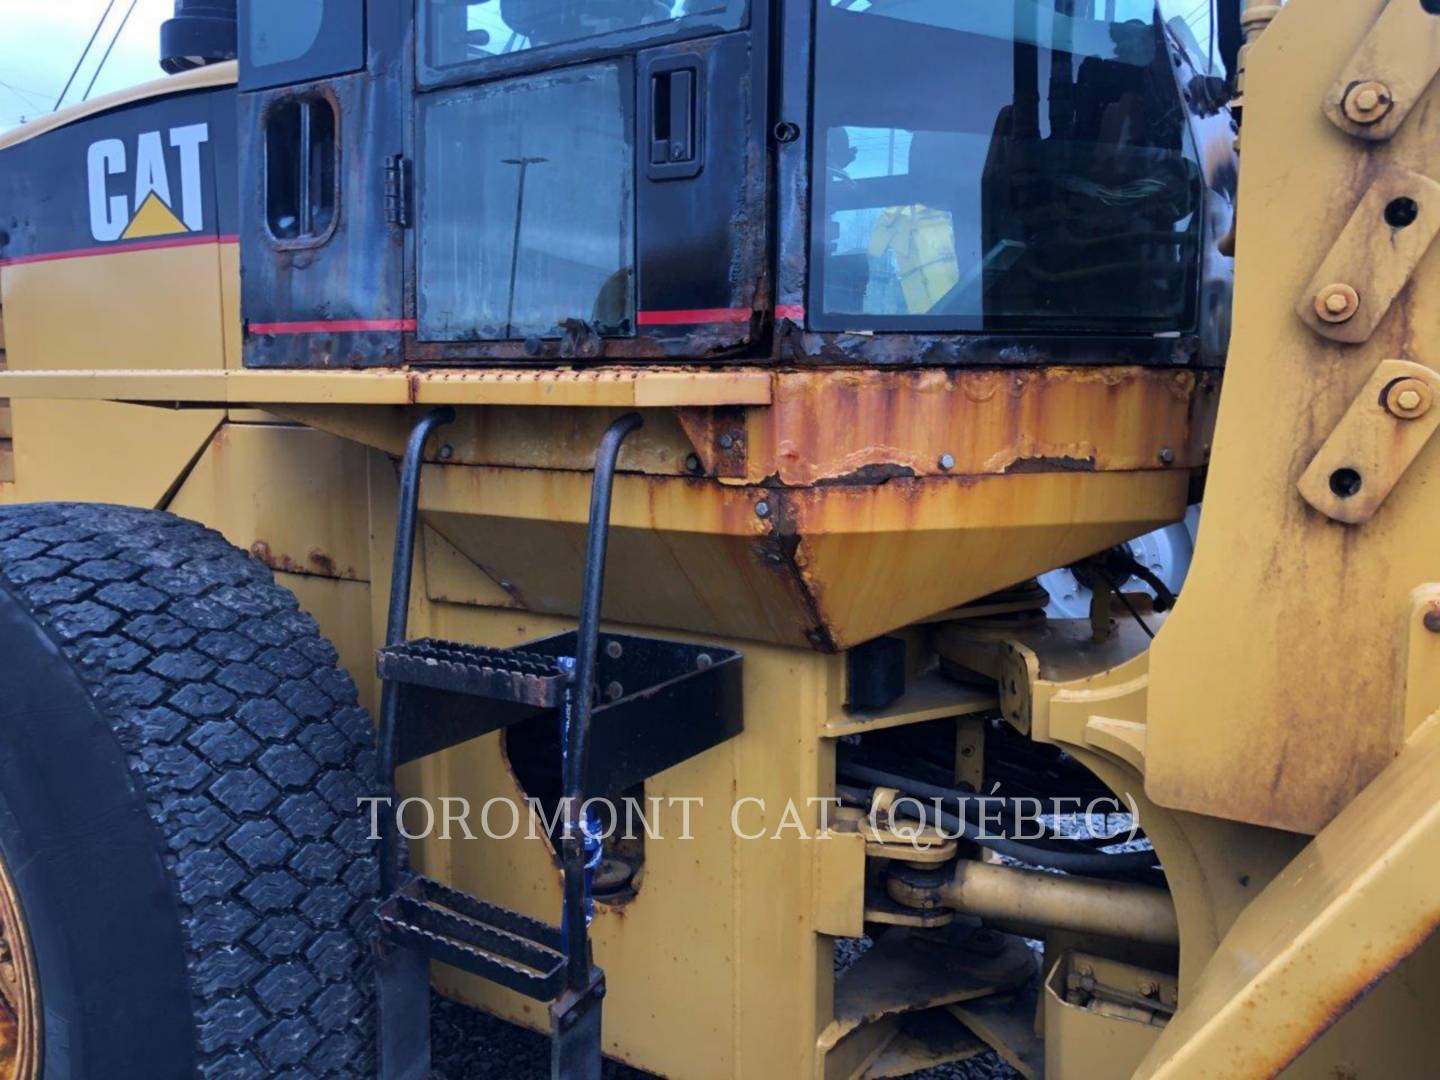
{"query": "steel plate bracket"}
(1388, 74)
(1368, 452)
(1374, 257)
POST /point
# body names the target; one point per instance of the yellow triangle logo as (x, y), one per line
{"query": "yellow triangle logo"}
(153, 218)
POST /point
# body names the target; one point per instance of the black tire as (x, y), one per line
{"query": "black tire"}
(180, 762)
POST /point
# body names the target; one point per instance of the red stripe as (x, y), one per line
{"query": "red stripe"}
(119, 248)
(333, 326)
(793, 312)
(692, 316)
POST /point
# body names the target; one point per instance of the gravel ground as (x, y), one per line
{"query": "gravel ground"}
(471, 1045)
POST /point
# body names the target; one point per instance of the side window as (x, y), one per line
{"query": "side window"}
(291, 41)
(1000, 165)
(301, 171)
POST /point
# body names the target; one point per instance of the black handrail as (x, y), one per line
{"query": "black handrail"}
(580, 701)
(395, 625)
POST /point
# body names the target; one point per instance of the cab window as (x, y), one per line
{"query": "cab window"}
(464, 32)
(1000, 165)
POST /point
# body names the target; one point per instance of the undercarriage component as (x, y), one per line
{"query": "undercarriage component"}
(1035, 899)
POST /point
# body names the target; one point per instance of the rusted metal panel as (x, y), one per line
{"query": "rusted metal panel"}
(862, 426)
(823, 567)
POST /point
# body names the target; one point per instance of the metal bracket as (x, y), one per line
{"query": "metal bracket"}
(1421, 699)
(1388, 74)
(1374, 256)
(1386, 426)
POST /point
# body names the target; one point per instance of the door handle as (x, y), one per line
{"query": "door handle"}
(676, 118)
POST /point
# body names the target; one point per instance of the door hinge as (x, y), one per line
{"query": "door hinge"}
(397, 190)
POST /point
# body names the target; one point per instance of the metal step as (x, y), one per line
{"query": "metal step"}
(524, 678)
(495, 943)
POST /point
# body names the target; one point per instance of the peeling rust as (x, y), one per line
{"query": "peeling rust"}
(317, 562)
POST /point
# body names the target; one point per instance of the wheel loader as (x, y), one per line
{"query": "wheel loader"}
(540, 501)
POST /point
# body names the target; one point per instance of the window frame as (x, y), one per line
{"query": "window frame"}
(429, 76)
(303, 241)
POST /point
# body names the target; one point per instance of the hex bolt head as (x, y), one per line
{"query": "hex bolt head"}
(1167, 456)
(762, 509)
(447, 452)
(1337, 303)
(726, 441)
(947, 462)
(1368, 102)
(1408, 399)
(692, 463)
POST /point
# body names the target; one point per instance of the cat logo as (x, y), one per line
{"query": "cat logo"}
(153, 211)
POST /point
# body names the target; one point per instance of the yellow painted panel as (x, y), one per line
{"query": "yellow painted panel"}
(1274, 694)
(98, 451)
(133, 309)
(293, 497)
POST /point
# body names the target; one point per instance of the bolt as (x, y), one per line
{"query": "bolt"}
(1432, 620)
(614, 650)
(727, 441)
(947, 461)
(1337, 303)
(1408, 399)
(1167, 456)
(1149, 987)
(967, 751)
(704, 662)
(762, 509)
(1368, 102)
(614, 691)
(447, 452)
(692, 463)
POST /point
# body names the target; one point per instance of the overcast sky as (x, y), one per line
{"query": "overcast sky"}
(40, 40)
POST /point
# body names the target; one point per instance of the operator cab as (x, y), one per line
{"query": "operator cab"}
(923, 181)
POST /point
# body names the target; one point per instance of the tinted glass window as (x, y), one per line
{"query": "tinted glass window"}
(283, 30)
(527, 208)
(462, 31)
(1000, 164)
(289, 41)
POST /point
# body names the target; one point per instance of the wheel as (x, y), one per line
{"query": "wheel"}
(190, 872)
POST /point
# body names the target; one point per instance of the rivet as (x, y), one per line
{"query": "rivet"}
(447, 452)
(1337, 303)
(762, 509)
(614, 650)
(1167, 456)
(1368, 102)
(704, 662)
(614, 691)
(692, 463)
(947, 461)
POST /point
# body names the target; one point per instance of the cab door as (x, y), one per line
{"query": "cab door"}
(322, 227)
(592, 179)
